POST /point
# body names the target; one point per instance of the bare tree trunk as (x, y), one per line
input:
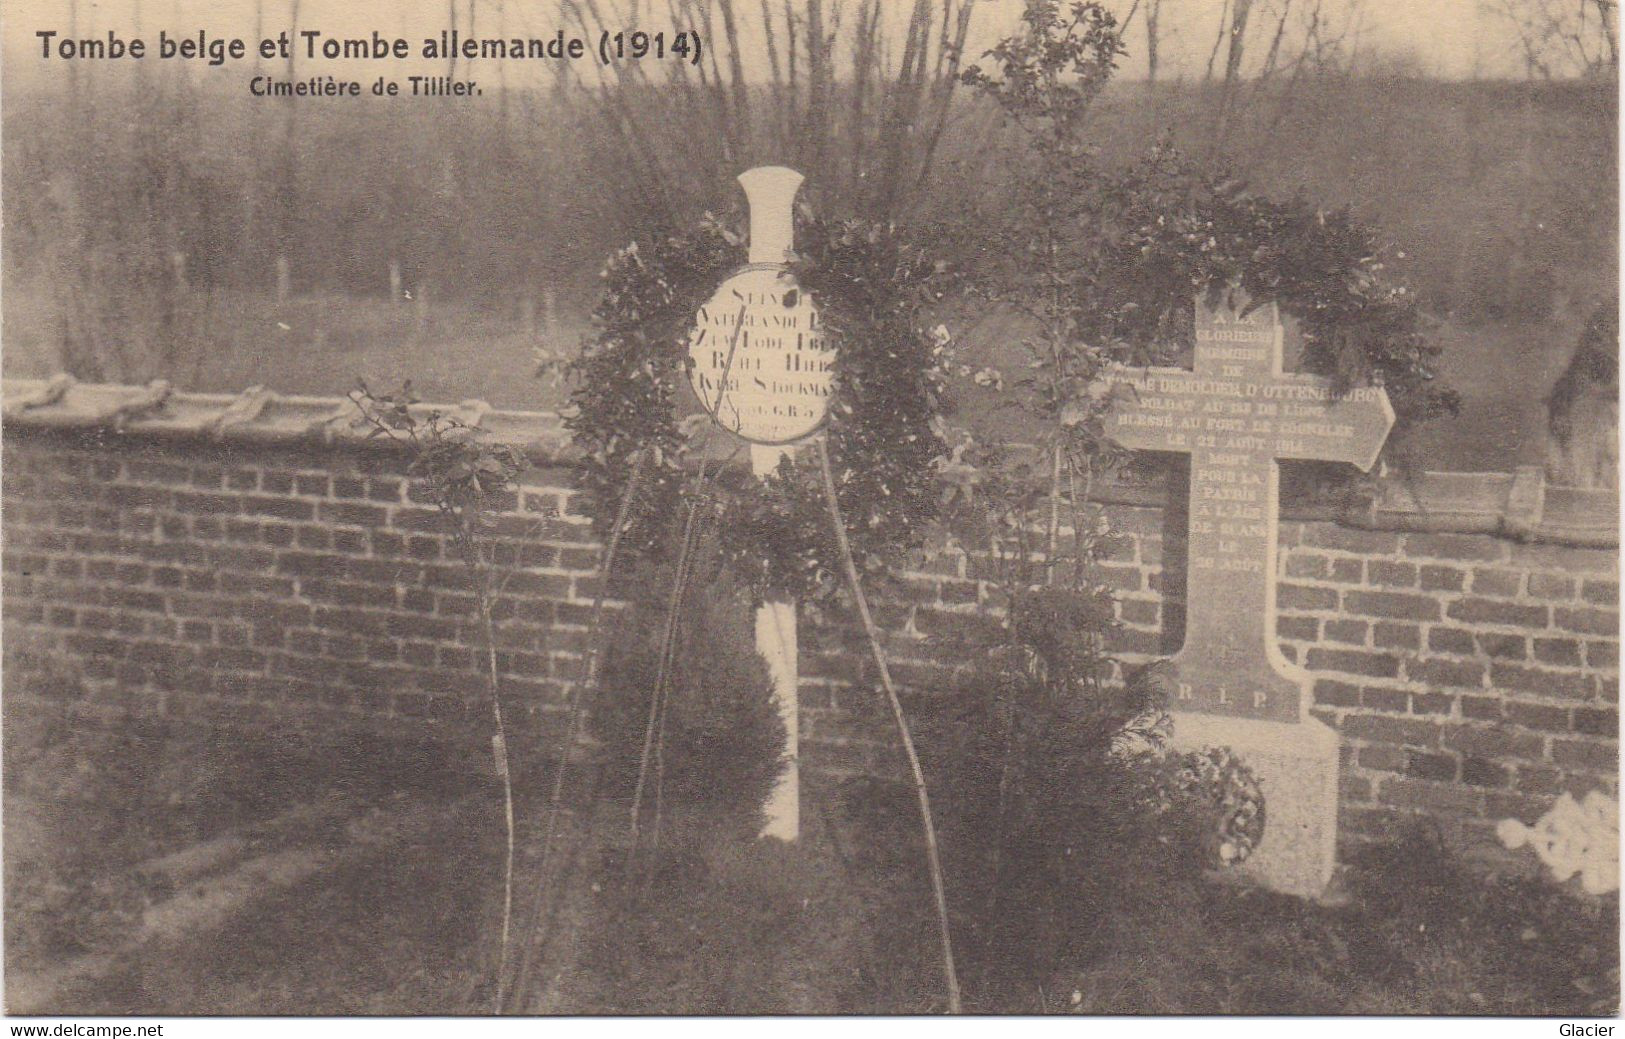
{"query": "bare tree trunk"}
(780, 128)
(1607, 10)
(942, 88)
(73, 66)
(899, 125)
(790, 31)
(451, 56)
(286, 188)
(736, 72)
(863, 61)
(1153, 19)
(502, 73)
(1271, 58)
(1238, 36)
(817, 60)
(1239, 13)
(1218, 41)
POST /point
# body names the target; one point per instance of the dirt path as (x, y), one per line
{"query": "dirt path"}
(385, 918)
(566, 912)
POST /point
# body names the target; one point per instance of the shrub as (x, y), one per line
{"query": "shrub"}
(721, 746)
(1069, 827)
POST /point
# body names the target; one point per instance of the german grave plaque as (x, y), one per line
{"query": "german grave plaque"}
(760, 363)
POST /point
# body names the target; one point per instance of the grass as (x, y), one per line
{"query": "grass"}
(86, 809)
(403, 931)
(320, 345)
(839, 923)
(764, 929)
(752, 928)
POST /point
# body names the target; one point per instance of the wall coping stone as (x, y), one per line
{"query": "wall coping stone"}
(257, 415)
(1519, 505)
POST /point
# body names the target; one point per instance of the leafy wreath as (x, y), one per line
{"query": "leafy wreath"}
(1172, 229)
(870, 284)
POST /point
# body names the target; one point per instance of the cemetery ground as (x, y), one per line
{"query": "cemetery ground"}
(175, 874)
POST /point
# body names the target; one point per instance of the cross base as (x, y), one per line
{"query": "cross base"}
(1296, 766)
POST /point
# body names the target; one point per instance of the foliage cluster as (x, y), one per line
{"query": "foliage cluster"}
(1423, 932)
(721, 742)
(459, 472)
(1103, 260)
(1172, 230)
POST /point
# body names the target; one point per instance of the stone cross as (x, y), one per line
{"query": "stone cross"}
(1235, 414)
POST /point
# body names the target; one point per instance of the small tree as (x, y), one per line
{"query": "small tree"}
(462, 475)
(1045, 257)
(1070, 816)
(1051, 751)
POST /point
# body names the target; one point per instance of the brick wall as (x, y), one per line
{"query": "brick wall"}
(247, 586)
(267, 573)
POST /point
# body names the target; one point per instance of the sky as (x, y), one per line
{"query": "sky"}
(1446, 38)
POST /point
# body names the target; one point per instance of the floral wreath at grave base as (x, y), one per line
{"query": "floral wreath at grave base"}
(1214, 783)
(869, 284)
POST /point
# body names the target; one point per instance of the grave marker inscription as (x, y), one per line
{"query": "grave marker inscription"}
(1235, 413)
(759, 360)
